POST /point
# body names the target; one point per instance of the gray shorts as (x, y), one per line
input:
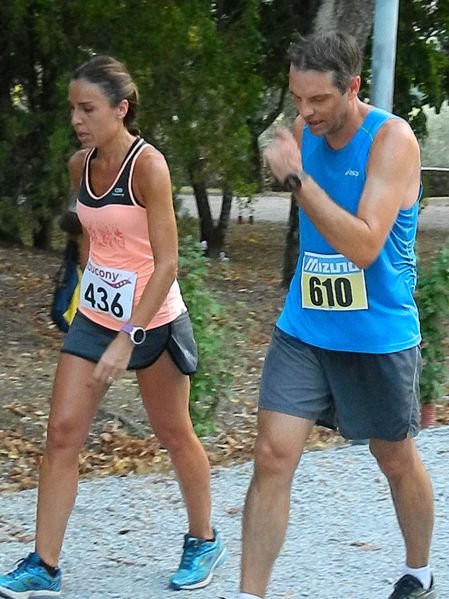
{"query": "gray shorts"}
(88, 340)
(365, 396)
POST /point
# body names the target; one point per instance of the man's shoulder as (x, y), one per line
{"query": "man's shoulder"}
(394, 147)
(391, 131)
(394, 130)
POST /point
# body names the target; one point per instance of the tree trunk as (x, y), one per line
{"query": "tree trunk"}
(356, 17)
(214, 235)
(256, 162)
(216, 245)
(204, 213)
(256, 129)
(42, 234)
(291, 246)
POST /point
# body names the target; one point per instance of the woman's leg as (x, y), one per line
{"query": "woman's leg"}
(165, 394)
(73, 406)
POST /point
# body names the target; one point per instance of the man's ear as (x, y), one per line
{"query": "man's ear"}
(354, 87)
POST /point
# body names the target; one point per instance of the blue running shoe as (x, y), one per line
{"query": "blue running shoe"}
(198, 562)
(30, 581)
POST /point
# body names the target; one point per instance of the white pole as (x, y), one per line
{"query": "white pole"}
(383, 57)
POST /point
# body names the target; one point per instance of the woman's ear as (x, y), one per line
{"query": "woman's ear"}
(122, 109)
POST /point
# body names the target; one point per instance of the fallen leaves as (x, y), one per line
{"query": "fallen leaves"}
(364, 546)
(121, 442)
(116, 452)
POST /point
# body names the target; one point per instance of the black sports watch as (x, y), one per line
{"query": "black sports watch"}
(293, 181)
(137, 334)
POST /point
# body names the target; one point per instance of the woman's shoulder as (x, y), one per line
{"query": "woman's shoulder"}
(76, 165)
(76, 161)
(150, 160)
(151, 177)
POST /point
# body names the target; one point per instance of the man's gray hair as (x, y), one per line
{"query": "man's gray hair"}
(328, 51)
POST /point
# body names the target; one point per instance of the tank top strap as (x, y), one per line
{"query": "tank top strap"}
(129, 160)
(374, 120)
(124, 181)
(133, 151)
(87, 158)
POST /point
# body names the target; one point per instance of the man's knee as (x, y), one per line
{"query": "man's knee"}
(274, 460)
(394, 458)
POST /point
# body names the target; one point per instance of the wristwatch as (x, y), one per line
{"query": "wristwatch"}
(137, 334)
(293, 181)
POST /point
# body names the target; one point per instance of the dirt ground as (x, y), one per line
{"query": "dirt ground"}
(120, 440)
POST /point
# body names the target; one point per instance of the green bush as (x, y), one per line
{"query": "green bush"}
(433, 304)
(211, 331)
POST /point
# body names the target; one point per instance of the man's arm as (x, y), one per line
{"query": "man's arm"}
(392, 183)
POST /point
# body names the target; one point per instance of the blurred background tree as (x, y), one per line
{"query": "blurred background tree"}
(213, 77)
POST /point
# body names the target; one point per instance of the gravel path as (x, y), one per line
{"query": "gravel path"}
(125, 534)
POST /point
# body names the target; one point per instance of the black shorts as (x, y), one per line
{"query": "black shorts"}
(88, 340)
(365, 396)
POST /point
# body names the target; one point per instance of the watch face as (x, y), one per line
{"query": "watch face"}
(138, 335)
(291, 182)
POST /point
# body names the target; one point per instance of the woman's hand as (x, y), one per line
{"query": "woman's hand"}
(114, 361)
(282, 155)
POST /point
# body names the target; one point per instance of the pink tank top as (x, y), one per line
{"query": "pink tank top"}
(121, 260)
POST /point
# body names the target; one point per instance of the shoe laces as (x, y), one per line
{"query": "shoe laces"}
(408, 583)
(191, 546)
(21, 565)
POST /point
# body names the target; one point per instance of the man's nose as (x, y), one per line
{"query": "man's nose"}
(305, 109)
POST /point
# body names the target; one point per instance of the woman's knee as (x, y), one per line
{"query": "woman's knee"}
(174, 438)
(64, 434)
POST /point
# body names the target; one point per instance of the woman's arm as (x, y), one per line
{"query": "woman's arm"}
(152, 187)
(75, 166)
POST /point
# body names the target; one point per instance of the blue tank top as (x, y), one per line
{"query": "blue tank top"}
(332, 303)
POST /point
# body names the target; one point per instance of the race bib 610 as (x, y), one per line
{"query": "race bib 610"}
(108, 290)
(332, 282)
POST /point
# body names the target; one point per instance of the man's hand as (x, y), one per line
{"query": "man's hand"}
(282, 155)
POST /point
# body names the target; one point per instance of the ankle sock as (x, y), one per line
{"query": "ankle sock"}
(212, 540)
(52, 570)
(424, 575)
(248, 596)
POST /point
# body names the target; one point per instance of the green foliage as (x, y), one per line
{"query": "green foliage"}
(203, 87)
(39, 49)
(195, 70)
(422, 60)
(433, 304)
(211, 331)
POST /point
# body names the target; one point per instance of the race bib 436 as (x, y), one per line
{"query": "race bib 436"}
(108, 290)
(332, 282)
